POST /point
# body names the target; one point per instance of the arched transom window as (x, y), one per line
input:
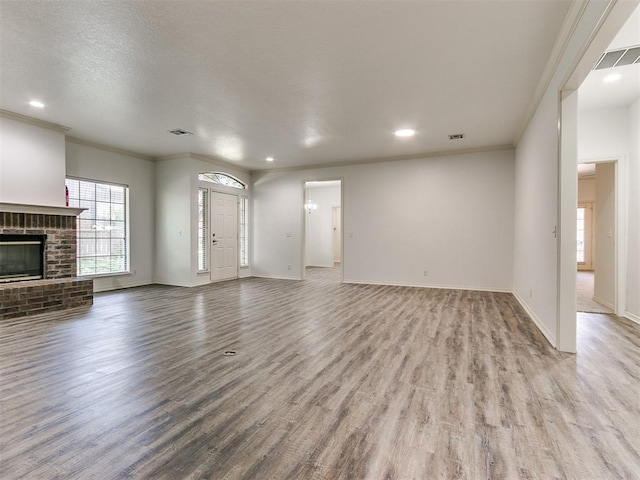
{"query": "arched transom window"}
(222, 179)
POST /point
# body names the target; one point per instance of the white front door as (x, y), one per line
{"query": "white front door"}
(224, 236)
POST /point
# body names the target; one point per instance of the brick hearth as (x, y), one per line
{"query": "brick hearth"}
(61, 288)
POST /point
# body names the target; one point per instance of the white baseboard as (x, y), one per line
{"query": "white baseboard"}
(415, 285)
(541, 326)
(606, 304)
(632, 317)
(275, 277)
(173, 284)
(111, 288)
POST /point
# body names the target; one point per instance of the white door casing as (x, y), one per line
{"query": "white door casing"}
(224, 236)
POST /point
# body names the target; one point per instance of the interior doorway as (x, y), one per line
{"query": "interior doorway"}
(323, 214)
(598, 235)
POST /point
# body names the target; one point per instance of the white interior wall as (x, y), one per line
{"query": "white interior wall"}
(32, 164)
(177, 216)
(543, 178)
(451, 216)
(276, 239)
(173, 258)
(535, 255)
(199, 164)
(97, 164)
(319, 226)
(603, 134)
(633, 216)
(604, 245)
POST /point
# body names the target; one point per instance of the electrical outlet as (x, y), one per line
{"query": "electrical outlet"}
(425, 273)
(531, 293)
(288, 267)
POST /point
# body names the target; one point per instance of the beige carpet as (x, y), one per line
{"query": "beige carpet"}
(586, 303)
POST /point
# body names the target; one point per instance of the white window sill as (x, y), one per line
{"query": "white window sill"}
(104, 275)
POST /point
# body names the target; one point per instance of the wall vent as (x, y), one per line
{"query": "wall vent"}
(180, 132)
(456, 136)
(618, 58)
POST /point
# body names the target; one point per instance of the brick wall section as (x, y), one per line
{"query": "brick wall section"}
(40, 296)
(61, 289)
(61, 238)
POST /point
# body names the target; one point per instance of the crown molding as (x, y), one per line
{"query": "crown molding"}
(100, 146)
(576, 10)
(33, 121)
(173, 156)
(204, 158)
(218, 161)
(416, 156)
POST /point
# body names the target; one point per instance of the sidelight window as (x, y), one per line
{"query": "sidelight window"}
(203, 225)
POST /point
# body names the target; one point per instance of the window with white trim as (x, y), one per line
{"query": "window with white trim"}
(103, 230)
(223, 179)
(203, 226)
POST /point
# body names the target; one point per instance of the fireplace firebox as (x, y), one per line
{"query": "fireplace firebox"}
(22, 257)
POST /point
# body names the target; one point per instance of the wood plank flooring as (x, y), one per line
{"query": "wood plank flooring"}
(330, 381)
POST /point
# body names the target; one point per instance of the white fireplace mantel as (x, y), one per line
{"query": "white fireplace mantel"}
(40, 209)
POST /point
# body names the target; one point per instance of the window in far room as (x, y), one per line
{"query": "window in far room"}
(103, 230)
(580, 234)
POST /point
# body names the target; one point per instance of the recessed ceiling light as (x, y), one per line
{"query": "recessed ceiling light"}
(405, 132)
(269, 159)
(36, 103)
(612, 78)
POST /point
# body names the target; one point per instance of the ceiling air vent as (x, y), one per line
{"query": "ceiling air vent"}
(180, 132)
(456, 136)
(619, 58)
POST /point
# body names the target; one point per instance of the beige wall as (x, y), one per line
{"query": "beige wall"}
(586, 190)
(605, 214)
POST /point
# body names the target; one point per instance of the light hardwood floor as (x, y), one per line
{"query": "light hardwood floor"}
(330, 381)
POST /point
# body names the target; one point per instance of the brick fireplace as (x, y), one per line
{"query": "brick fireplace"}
(59, 288)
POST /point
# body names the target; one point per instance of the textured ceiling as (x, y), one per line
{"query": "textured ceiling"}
(304, 82)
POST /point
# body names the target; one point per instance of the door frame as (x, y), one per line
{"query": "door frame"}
(303, 237)
(620, 231)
